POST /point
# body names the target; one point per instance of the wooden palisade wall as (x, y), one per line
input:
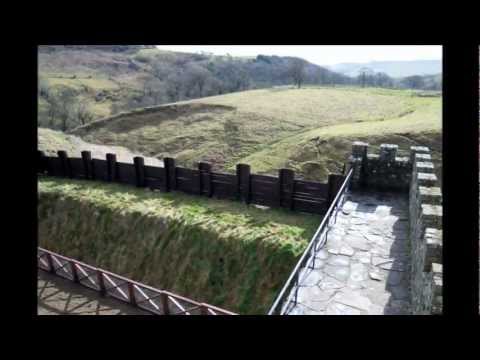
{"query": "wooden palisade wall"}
(283, 191)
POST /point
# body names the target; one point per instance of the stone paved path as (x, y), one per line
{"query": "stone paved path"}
(57, 296)
(364, 267)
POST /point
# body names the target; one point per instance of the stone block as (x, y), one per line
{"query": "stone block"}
(388, 152)
(402, 160)
(431, 216)
(437, 269)
(429, 195)
(419, 149)
(424, 167)
(433, 248)
(423, 157)
(359, 149)
(425, 179)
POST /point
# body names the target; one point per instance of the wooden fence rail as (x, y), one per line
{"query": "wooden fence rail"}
(154, 301)
(280, 192)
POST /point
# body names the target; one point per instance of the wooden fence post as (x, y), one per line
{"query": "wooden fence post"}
(286, 179)
(166, 308)
(66, 170)
(243, 182)
(41, 162)
(73, 267)
(131, 294)
(101, 283)
(111, 167)
(334, 183)
(87, 164)
(51, 268)
(139, 170)
(205, 168)
(170, 174)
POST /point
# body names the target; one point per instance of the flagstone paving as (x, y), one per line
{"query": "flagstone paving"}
(364, 267)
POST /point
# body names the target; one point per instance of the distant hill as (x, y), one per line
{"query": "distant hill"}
(394, 69)
(81, 83)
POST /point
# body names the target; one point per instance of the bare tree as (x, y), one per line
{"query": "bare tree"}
(297, 72)
(82, 113)
(174, 86)
(161, 70)
(383, 80)
(413, 82)
(153, 90)
(61, 106)
(364, 76)
(214, 87)
(43, 88)
(53, 110)
(195, 78)
(65, 111)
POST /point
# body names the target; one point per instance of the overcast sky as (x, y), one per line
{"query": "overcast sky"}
(322, 54)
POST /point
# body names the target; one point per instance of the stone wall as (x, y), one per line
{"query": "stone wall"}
(425, 235)
(414, 175)
(384, 171)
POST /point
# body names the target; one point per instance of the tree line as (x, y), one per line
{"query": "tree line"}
(170, 77)
(64, 110)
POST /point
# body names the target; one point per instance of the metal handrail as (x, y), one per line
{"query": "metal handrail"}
(111, 277)
(293, 280)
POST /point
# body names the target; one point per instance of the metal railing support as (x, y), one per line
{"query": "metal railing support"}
(286, 292)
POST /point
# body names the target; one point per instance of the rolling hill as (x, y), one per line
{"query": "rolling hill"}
(394, 69)
(78, 84)
(309, 130)
(50, 141)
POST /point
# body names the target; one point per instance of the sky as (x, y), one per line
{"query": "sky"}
(322, 54)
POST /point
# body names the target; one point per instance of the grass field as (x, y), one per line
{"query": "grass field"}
(221, 252)
(309, 130)
(50, 141)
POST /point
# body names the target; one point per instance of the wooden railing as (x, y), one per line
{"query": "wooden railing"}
(155, 301)
(283, 191)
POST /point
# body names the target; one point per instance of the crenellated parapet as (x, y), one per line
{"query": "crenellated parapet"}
(413, 174)
(383, 171)
(425, 235)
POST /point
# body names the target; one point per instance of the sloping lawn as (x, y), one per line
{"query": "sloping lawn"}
(222, 252)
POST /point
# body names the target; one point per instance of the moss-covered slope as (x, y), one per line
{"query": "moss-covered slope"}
(224, 253)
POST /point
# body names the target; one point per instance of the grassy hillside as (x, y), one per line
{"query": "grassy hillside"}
(309, 130)
(50, 141)
(100, 78)
(225, 253)
(107, 79)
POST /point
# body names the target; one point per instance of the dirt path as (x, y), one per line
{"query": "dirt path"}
(57, 296)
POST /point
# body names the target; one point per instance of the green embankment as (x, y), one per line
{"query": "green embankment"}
(221, 252)
(309, 130)
(316, 153)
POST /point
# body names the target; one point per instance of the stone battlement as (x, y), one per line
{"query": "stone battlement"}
(413, 174)
(425, 236)
(382, 171)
